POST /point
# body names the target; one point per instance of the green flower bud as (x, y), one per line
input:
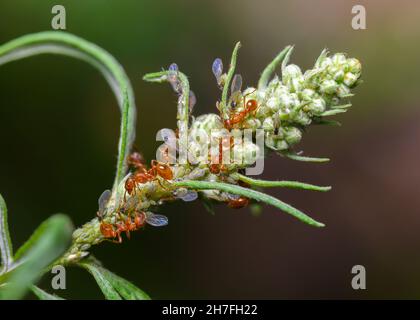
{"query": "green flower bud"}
(207, 122)
(354, 66)
(343, 90)
(316, 107)
(270, 141)
(268, 124)
(274, 104)
(339, 75)
(350, 79)
(339, 59)
(282, 145)
(251, 152)
(252, 123)
(293, 78)
(289, 101)
(292, 135)
(328, 87)
(263, 111)
(291, 71)
(302, 118)
(327, 62)
(308, 94)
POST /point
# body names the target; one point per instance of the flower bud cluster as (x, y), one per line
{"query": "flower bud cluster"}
(288, 105)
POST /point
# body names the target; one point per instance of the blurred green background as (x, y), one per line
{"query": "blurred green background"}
(59, 126)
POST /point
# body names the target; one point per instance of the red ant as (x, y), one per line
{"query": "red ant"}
(136, 161)
(108, 230)
(141, 175)
(236, 118)
(239, 203)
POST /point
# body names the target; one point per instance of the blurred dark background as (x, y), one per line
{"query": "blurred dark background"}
(59, 126)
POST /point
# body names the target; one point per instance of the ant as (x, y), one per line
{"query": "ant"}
(136, 161)
(236, 118)
(239, 203)
(142, 175)
(108, 230)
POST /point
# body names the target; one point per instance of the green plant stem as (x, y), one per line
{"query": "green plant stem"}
(63, 43)
(284, 183)
(6, 248)
(249, 193)
(183, 107)
(224, 107)
(297, 157)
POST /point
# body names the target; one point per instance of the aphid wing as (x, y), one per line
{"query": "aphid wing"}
(236, 84)
(156, 220)
(103, 199)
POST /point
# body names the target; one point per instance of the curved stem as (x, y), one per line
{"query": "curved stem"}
(56, 42)
(284, 183)
(294, 156)
(252, 194)
(183, 106)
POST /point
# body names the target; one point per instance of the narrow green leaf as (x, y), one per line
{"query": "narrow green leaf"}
(286, 60)
(58, 42)
(125, 288)
(6, 248)
(113, 287)
(43, 295)
(321, 58)
(342, 106)
(284, 183)
(294, 156)
(252, 194)
(224, 108)
(326, 122)
(333, 112)
(106, 287)
(49, 242)
(271, 68)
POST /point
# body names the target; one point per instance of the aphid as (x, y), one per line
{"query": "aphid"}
(191, 195)
(102, 201)
(238, 203)
(156, 220)
(173, 78)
